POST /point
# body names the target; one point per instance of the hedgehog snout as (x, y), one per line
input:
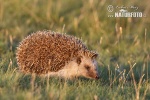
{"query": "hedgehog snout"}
(97, 76)
(93, 74)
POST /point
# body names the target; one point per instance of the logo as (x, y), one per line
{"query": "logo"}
(122, 11)
(110, 8)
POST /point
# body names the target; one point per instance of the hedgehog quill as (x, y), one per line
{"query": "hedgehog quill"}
(58, 55)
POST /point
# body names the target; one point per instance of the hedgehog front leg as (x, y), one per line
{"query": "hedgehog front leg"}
(32, 81)
(47, 82)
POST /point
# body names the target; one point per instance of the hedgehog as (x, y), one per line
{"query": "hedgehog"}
(58, 55)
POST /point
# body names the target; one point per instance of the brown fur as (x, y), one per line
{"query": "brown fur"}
(47, 51)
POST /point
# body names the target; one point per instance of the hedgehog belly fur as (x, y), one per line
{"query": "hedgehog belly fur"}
(69, 71)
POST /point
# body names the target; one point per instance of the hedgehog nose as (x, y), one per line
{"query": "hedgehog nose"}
(97, 77)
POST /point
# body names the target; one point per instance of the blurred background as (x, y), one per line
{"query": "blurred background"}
(120, 42)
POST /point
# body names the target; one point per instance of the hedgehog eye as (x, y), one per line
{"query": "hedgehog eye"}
(87, 67)
(78, 60)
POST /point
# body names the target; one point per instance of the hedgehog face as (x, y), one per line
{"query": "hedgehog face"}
(82, 66)
(88, 67)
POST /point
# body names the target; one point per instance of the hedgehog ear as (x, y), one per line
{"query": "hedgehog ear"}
(94, 56)
(79, 60)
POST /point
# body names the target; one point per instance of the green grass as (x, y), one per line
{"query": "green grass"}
(124, 59)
